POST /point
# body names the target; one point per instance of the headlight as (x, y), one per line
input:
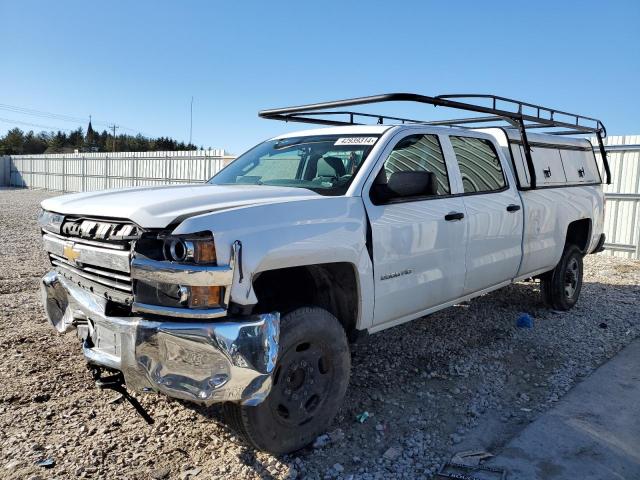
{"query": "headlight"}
(196, 248)
(50, 221)
(190, 248)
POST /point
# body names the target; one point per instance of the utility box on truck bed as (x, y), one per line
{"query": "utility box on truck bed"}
(557, 161)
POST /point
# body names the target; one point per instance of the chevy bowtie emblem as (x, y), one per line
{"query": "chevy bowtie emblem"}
(69, 253)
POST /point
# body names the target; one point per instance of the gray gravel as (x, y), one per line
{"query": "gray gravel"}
(463, 378)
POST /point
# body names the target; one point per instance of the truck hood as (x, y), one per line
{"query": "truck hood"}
(157, 207)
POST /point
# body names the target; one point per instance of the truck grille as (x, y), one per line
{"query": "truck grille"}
(95, 254)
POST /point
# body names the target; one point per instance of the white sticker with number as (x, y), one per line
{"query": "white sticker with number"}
(356, 141)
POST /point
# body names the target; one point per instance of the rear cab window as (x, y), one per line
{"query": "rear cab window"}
(479, 164)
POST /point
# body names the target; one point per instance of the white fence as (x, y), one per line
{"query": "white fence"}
(97, 171)
(85, 172)
(622, 210)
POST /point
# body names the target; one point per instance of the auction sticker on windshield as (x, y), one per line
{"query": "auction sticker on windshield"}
(356, 141)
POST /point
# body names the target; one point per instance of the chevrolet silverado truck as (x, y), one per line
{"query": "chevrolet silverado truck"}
(247, 290)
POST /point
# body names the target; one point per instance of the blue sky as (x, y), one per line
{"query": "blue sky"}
(138, 63)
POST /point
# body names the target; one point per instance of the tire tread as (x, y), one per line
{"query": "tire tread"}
(552, 282)
(236, 415)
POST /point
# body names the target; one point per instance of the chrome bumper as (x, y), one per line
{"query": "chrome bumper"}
(203, 362)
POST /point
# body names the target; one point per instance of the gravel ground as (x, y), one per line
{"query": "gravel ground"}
(463, 378)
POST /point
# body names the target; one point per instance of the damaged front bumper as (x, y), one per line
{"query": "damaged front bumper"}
(203, 362)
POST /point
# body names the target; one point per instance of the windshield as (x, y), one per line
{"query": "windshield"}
(325, 164)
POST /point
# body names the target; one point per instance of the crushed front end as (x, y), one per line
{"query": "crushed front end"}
(156, 309)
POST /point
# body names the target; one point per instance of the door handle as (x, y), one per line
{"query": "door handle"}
(513, 208)
(449, 217)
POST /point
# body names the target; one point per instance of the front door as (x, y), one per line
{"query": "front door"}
(419, 241)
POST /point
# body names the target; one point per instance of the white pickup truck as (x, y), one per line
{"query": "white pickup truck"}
(246, 290)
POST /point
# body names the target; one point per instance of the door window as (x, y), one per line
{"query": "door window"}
(419, 153)
(479, 165)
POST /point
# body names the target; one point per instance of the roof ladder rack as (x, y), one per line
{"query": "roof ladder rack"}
(515, 113)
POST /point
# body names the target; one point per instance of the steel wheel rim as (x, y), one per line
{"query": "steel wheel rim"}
(301, 383)
(571, 278)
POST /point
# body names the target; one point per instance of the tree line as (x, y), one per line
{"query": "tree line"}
(17, 142)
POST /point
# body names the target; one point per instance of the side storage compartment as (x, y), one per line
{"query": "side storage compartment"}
(548, 166)
(580, 166)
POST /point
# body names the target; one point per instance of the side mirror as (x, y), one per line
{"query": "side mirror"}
(403, 185)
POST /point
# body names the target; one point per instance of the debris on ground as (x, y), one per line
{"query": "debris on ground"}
(471, 457)
(362, 417)
(46, 463)
(524, 321)
(467, 472)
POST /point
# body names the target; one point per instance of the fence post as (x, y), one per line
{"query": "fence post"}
(84, 172)
(64, 173)
(133, 170)
(30, 172)
(636, 254)
(106, 172)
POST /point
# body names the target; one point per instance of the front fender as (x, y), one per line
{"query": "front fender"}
(289, 234)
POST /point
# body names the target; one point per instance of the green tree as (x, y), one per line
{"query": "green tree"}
(35, 144)
(16, 142)
(76, 139)
(13, 142)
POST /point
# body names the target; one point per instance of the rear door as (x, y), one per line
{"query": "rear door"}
(418, 242)
(494, 212)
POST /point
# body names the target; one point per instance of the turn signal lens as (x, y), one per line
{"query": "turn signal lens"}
(205, 297)
(204, 251)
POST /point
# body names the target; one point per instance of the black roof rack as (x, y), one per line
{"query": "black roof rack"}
(499, 111)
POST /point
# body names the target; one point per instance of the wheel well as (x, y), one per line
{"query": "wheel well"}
(579, 234)
(332, 286)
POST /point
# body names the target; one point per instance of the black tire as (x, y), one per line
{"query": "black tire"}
(561, 286)
(309, 384)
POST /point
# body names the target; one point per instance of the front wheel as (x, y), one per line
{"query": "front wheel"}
(309, 384)
(561, 286)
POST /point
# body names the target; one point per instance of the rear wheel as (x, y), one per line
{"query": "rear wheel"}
(561, 287)
(309, 383)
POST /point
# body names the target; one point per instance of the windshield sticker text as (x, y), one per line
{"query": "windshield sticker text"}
(356, 141)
